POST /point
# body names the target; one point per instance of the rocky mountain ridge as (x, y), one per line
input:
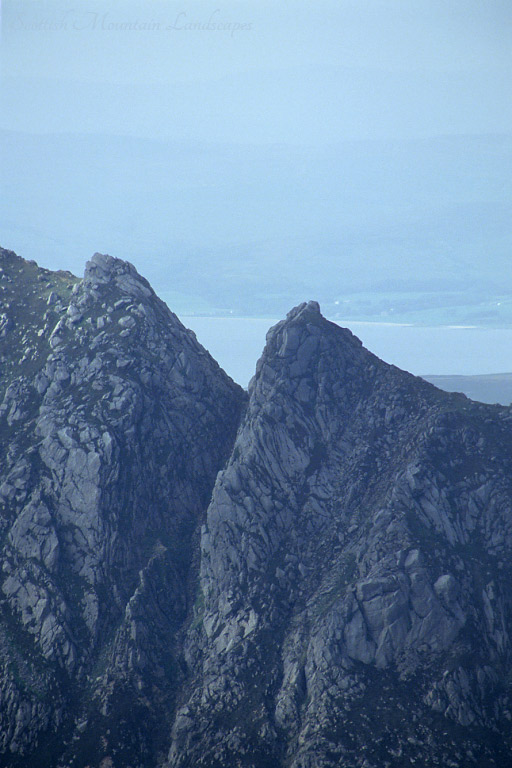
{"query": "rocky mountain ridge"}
(115, 423)
(354, 567)
(313, 574)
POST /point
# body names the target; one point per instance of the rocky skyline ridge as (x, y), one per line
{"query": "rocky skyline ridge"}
(314, 573)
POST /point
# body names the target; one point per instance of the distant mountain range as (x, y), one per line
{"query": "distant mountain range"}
(315, 572)
(486, 388)
(398, 230)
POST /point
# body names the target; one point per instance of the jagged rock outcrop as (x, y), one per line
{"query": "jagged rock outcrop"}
(355, 567)
(114, 422)
(311, 576)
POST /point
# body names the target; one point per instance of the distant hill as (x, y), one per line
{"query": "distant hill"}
(486, 388)
(414, 231)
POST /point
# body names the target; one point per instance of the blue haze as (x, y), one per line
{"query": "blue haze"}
(356, 152)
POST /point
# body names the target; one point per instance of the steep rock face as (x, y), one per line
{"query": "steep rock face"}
(114, 422)
(348, 602)
(353, 605)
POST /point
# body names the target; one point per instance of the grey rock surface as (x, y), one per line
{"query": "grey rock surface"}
(316, 574)
(114, 423)
(350, 552)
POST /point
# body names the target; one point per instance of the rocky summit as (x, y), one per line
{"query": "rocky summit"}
(114, 424)
(312, 574)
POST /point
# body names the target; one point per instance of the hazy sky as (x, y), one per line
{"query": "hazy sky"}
(294, 72)
(245, 155)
